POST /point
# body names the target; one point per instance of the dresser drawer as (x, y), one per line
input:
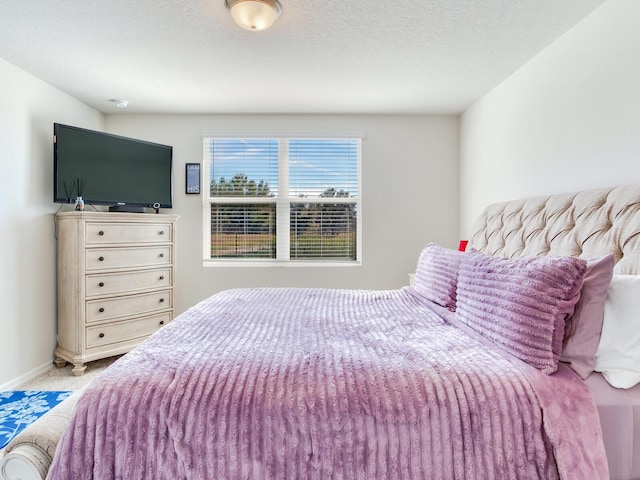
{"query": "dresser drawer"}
(100, 335)
(130, 305)
(108, 233)
(108, 258)
(126, 282)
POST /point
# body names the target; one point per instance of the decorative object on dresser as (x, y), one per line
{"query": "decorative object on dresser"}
(115, 282)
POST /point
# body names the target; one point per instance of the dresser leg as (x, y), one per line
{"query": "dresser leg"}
(78, 369)
(60, 362)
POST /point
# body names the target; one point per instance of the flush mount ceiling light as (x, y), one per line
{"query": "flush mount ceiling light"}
(254, 14)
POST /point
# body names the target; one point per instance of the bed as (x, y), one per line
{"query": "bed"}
(588, 224)
(420, 382)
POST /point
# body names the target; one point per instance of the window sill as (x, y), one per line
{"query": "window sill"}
(279, 263)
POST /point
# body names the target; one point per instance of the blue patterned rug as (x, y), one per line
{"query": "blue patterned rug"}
(19, 409)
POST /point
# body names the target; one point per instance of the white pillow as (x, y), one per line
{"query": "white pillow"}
(618, 354)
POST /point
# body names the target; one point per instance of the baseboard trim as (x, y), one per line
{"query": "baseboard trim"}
(22, 379)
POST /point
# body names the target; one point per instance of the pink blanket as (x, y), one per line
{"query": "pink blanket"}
(327, 384)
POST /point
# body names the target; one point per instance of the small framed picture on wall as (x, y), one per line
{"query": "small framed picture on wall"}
(192, 178)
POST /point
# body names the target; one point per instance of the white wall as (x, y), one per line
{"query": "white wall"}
(28, 253)
(410, 195)
(568, 120)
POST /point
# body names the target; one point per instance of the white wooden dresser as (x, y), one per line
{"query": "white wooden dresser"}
(115, 282)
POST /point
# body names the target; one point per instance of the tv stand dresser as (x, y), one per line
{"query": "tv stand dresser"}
(115, 282)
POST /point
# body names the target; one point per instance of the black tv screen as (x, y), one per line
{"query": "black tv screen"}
(112, 170)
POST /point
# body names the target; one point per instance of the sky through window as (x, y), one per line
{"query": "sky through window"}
(315, 165)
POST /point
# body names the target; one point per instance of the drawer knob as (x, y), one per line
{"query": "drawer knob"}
(101, 233)
(161, 322)
(101, 310)
(101, 335)
(161, 255)
(101, 259)
(161, 277)
(161, 232)
(162, 300)
(101, 284)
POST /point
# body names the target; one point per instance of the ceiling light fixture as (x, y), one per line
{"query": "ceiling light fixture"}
(254, 14)
(120, 103)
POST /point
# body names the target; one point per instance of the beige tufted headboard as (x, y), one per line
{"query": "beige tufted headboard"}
(587, 224)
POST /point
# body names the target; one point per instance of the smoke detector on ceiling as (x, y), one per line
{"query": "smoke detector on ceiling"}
(120, 103)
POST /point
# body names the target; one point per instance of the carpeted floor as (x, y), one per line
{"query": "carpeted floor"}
(61, 379)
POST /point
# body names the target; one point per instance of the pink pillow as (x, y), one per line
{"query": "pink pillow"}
(582, 330)
(521, 304)
(436, 275)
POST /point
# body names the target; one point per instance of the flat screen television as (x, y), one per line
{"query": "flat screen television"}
(124, 173)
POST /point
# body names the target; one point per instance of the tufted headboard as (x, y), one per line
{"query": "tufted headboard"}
(587, 224)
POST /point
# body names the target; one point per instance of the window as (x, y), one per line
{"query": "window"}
(274, 201)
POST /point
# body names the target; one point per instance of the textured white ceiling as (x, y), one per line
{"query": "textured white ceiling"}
(328, 56)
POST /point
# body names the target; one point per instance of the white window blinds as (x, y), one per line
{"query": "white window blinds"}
(244, 167)
(323, 168)
(323, 188)
(292, 200)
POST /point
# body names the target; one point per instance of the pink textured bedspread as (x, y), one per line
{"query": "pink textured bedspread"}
(327, 384)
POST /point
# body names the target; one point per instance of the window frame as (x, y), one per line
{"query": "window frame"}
(282, 202)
